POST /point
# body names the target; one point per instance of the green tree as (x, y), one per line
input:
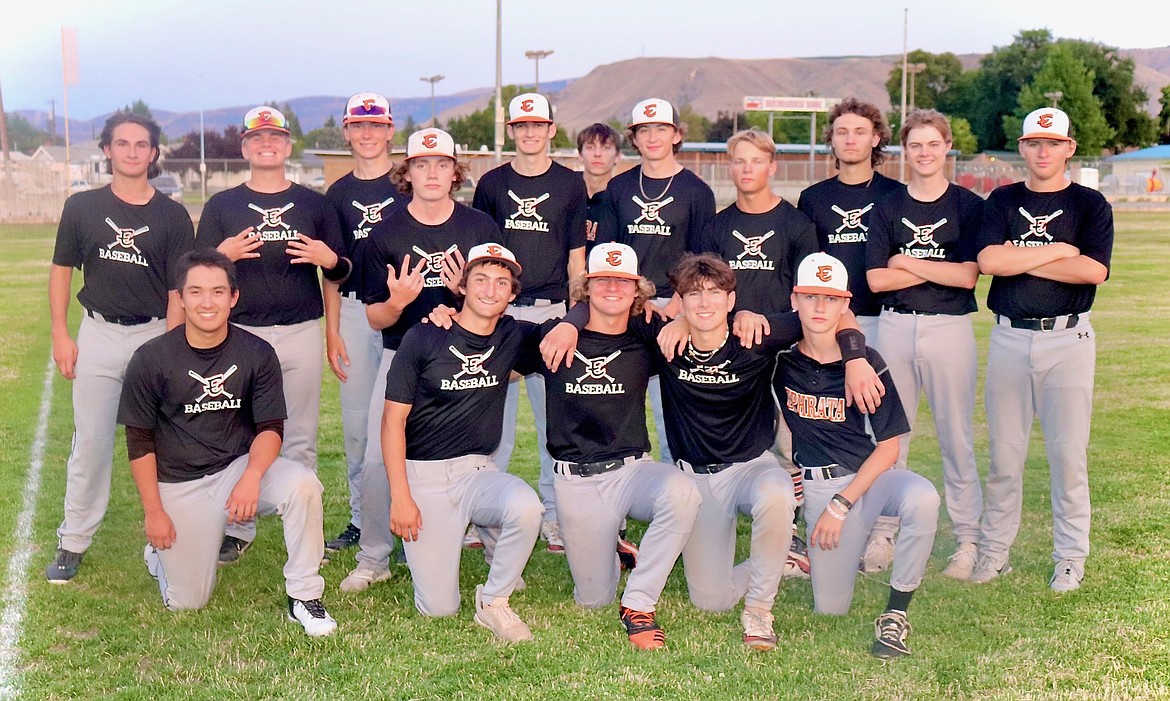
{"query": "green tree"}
(1122, 102)
(478, 129)
(23, 136)
(1065, 73)
(1164, 116)
(290, 115)
(993, 90)
(403, 132)
(695, 125)
(941, 74)
(328, 136)
(962, 137)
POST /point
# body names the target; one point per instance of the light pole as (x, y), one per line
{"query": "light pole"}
(432, 80)
(1055, 96)
(536, 56)
(499, 136)
(914, 69)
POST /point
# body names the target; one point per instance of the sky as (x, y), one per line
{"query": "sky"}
(183, 55)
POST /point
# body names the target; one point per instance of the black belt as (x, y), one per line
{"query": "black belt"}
(826, 473)
(589, 469)
(535, 302)
(709, 469)
(895, 310)
(351, 295)
(1049, 323)
(121, 320)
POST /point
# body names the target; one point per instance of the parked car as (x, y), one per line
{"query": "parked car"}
(169, 185)
(79, 185)
(465, 192)
(317, 183)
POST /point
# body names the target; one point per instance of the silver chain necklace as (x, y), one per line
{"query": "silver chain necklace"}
(704, 356)
(642, 187)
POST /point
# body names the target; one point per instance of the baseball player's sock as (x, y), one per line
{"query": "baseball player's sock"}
(500, 619)
(890, 632)
(471, 539)
(311, 614)
(962, 564)
(362, 577)
(899, 600)
(63, 567)
(1067, 576)
(348, 538)
(643, 630)
(757, 629)
(627, 552)
(551, 532)
(232, 549)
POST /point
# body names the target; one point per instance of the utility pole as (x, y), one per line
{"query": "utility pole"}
(536, 56)
(432, 80)
(499, 82)
(4, 144)
(1055, 96)
(905, 55)
(915, 69)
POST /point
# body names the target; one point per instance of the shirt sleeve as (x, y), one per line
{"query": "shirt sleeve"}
(607, 218)
(702, 212)
(67, 248)
(970, 224)
(376, 274)
(786, 330)
(181, 241)
(267, 388)
(406, 368)
(1096, 239)
(139, 403)
(482, 199)
(889, 421)
(993, 228)
(877, 245)
(211, 230)
(529, 359)
(804, 244)
(579, 211)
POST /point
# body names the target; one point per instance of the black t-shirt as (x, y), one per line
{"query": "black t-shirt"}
(360, 204)
(824, 431)
(764, 250)
(842, 214)
(945, 230)
(1075, 215)
(273, 291)
(660, 218)
(540, 218)
(456, 383)
(126, 251)
(203, 404)
(401, 235)
(592, 214)
(718, 404)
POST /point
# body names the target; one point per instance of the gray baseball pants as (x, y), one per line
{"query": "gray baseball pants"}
(936, 354)
(1049, 374)
(364, 347)
(654, 390)
(759, 488)
(103, 351)
(885, 526)
(186, 571)
(897, 493)
(376, 541)
(450, 494)
(592, 511)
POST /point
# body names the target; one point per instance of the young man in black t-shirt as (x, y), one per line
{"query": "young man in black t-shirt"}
(443, 411)
(279, 234)
(361, 199)
(848, 480)
(599, 147)
(539, 206)
(1048, 242)
(125, 238)
(204, 413)
(920, 261)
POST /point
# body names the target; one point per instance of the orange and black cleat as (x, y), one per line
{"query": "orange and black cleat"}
(643, 631)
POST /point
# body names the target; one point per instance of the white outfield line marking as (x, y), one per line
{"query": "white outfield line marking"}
(16, 578)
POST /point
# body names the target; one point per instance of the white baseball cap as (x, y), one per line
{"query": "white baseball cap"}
(367, 107)
(613, 260)
(264, 117)
(822, 274)
(1046, 123)
(495, 253)
(529, 107)
(430, 142)
(653, 111)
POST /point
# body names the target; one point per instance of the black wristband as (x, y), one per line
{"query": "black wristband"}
(339, 273)
(852, 344)
(842, 501)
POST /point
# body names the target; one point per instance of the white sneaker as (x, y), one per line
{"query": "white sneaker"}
(312, 615)
(879, 554)
(362, 577)
(757, 629)
(986, 570)
(551, 532)
(962, 563)
(471, 538)
(500, 619)
(1067, 576)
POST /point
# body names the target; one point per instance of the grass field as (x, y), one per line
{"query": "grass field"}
(106, 635)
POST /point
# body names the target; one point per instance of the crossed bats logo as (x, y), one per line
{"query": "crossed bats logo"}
(596, 368)
(526, 206)
(1038, 225)
(213, 384)
(274, 216)
(825, 273)
(924, 235)
(430, 140)
(124, 238)
(851, 219)
(435, 260)
(712, 369)
(472, 364)
(753, 245)
(651, 211)
(372, 213)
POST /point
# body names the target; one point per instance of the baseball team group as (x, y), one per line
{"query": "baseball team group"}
(783, 348)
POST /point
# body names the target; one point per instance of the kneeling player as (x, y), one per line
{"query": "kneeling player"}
(444, 412)
(204, 412)
(848, 482)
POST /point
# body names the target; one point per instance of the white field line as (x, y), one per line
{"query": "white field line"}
(16, 578)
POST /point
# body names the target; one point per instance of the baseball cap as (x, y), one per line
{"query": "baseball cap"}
(430, 142)
(1046, 123)
(613, 260)
(367, 107)
(529, 107)
(653, 111)
(495, 253)
(264, 117)
(822, 274)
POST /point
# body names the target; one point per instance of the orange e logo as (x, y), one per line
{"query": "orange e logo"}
(1044, 120)
(824, 273)
(614, 258)
(650, 110)
(493, 250)
(526, 105)
(368, 104)
(430, 141)
(265, 116)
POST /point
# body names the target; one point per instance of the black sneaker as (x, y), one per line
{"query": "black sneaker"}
(311, 614)
(231, 549)
(64, 566)
(346, 539)
(890, 631)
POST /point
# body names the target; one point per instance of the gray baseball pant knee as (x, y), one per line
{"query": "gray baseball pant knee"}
(364, 347)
